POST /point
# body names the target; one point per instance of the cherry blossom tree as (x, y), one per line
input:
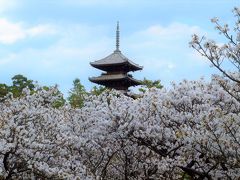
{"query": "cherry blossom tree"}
(189, 131)
(224, 54)
(35, 141)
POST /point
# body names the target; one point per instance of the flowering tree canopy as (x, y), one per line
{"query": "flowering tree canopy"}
(35, 140)
(191, 130)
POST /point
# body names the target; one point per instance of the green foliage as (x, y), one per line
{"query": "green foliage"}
(4, 89)
(19, 82)
(77, 93)
(59, 102)
(97, 90)
(147, 84)
(22, 82)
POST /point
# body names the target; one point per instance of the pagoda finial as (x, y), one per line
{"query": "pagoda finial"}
(117, 37)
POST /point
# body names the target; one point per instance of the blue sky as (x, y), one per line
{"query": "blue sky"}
(53, 41)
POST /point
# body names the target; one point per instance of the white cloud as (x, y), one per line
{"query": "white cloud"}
(42, 29)
(172, 30)
(12, 32)
(7, 4)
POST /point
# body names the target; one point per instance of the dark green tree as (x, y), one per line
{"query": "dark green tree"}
(76, 94)
(4, 89)
(19, 82)
(97, 90)
(147, 84)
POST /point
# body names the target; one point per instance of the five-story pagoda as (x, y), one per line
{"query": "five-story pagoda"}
(116, 67)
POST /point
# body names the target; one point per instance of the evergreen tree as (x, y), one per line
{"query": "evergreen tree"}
(77, 93)
(147, 84)
(97, 90)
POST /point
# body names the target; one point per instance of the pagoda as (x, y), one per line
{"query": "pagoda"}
(117, 68)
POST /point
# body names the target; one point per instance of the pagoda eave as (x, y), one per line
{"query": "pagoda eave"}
(126, 66)
(108, 79)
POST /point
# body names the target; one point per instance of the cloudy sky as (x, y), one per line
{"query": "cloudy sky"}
(53, 41)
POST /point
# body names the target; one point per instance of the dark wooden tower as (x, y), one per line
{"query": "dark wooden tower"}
(117, 68)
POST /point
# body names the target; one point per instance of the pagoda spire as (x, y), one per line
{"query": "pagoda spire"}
(117, 37)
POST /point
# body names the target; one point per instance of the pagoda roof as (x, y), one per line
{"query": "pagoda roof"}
(115, 59)
(114, 77)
